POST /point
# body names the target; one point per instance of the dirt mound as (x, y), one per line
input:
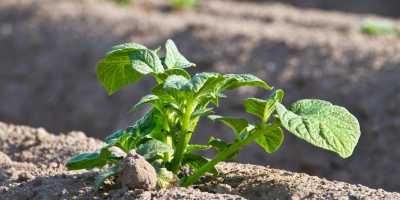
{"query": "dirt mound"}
(50, 49)
(32, 177)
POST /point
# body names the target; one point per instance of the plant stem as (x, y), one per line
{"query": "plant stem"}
(221, 156)
(167, 140)
(183, 140)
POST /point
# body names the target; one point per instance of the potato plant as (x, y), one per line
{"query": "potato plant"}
(178, 101)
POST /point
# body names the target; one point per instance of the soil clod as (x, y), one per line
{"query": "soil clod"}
(136, 173)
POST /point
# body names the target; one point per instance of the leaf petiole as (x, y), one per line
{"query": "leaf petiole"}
(221, 156)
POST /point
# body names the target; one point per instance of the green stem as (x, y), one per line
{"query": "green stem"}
(221, 156)
(167, 140)
(183, 140)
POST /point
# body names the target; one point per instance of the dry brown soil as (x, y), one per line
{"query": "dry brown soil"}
(32, 167)
(49, 50)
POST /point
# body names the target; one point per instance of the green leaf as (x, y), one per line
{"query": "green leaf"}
(89, 160)
(201, 112)
(114, 136)
(271, 140)
(128, 47)
(263, 108)
(197, 147)
(174, 107)
(237, 124)
(174, 59)
(165, 96)
(221, 146)
(116, 71)
(195, 162)
(150, 122)
(322, 124)
(104, 175)
(166, 179)
(175, 82)
(238, 80)
(157, 50)
(174, 71)
(148, 99)
(125, 142)
(153, 148)
(203, 83)
(145, 61)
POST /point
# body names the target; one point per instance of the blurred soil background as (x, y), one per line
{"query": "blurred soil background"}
(310, 49)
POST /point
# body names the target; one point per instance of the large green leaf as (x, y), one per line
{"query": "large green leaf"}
(195, 162)
(127, 47)
(148, 99)
(145, 61)
(237, 124)
(238, 80)
(271, 140)
(104, 175)
(116, 71)
(174, 59)
(166, 179)
(203, 83)
(153, 148)
(263, 108)
(89, 160)
(150, 122)
(175, 82)
(174, 71)
(321, 124)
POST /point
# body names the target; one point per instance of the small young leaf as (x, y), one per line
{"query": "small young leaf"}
(174, 59)
(104, 175)
(157, 50)
(116, 71)
(322, 124)
(153, 148)
(221, 146)
(197, 147)
(238, 80)
(166, 179)
(128, 47)
(195, 162)
(263, 108)
(175, 82)
(125, 142)
(165, 96)
(201, 112)
(145, 61)
(89, 160)
(237, 124)
(148, 99)
(174, 71)
(115, 135)
(271, 140)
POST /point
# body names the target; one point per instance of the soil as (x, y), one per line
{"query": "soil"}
(33, 167)
(49, 49)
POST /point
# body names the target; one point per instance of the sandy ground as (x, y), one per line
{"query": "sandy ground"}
(32, 167)
(49, 49)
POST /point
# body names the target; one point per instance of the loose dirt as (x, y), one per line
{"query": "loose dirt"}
(49, 50)
(32, 166)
